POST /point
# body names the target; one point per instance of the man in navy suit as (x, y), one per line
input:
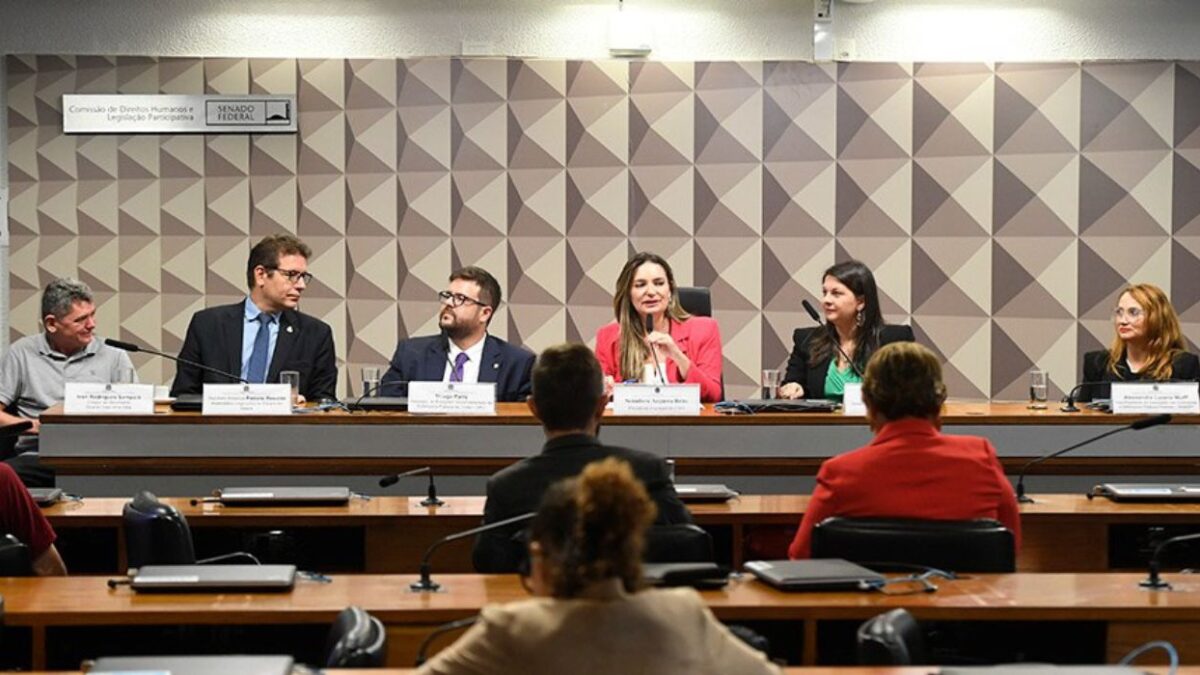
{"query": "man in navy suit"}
(463, 352)
(264, 334)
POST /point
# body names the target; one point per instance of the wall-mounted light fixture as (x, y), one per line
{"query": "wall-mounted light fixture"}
(629, 33)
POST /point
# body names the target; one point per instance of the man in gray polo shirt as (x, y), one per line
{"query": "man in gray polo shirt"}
(36, 368)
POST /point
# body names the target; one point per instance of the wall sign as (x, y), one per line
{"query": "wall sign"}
(177, 114)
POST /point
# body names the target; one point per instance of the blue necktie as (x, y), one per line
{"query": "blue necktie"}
(257, 370)
(456, 374)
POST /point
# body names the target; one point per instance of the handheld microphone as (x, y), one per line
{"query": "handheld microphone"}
(15, 429)
(658, 373)
(425, 584)
(130, 347)
(1152, 579)
(422, 651)
(1138, 425)
(431, 498)
(837, 343)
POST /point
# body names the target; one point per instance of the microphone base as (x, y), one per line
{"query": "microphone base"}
(1154, 584)
(425, 586)
(1069, 408)
(432, 501)
(1025, 499)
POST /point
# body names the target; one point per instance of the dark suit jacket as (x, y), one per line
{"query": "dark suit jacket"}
(519, 488)
(423, 359)
(1185, 366)
(812, 378)
(214, 338)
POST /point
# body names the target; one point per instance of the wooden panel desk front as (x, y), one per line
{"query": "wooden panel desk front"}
(1132, 615)
(1062, 533)
(711, 443)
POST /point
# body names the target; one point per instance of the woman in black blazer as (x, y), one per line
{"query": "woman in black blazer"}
(852, 318)
(1148, 345)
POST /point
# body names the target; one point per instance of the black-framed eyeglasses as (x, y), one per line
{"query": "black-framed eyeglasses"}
(293, 276)
(457, 299)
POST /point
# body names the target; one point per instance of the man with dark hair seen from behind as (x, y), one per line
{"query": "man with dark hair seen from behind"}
(266, 333)
(464, 351)
(568, 397)
(36, 368)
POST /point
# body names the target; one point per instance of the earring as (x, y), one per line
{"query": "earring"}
(858, 318)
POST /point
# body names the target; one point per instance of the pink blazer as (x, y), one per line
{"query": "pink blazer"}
(698, 337)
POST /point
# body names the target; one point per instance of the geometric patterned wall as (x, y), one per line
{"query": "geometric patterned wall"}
(1000, 205)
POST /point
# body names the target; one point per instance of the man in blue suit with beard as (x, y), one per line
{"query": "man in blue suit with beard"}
(463, 352)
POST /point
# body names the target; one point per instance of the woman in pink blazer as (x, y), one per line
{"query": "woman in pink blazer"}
(688, 348)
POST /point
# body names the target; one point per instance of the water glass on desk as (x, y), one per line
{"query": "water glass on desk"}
(770, 383)
(370, 380)
(291, 378)
(125, 376)
(1039, 383)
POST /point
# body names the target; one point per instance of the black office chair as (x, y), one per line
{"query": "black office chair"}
(695, 300)
(356, 640)
(15, 558)
(158, 534)
(891, 639)
(982, 545)
(680, 543)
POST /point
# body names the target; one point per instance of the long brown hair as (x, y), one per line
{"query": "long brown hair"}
(1164, 338)
(633, 331)
(858, 278)
(593, 527)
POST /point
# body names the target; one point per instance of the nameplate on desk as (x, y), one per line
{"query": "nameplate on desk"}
(247, 399)
(852, 400)
(459, 398)
(90, 398)
(1138, 398)
(656, 399)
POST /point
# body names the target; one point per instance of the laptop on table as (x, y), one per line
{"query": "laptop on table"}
(195, 665)
(276, 496)
(823, 574)
(213, 578)
(1148, 492)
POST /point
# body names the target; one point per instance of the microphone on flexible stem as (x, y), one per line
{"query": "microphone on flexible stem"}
(1069, 399)
(422, 655)
(425, 584)
(431, 499)
(130, 347)
(1152, 580)
(1144, 423)
(658, 374)
(837, 343)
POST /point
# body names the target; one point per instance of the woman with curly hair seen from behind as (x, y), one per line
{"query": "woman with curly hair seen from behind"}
(590, 614)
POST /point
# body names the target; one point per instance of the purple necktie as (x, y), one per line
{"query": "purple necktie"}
(457, 374)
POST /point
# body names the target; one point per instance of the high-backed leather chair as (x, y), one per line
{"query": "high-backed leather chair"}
(695, 300)
(356, 640)
(982, 545)
(158, 534)
(678, 543)
(15, 558)
(893, 638)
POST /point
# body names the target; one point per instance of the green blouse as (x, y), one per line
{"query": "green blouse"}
(835, 380)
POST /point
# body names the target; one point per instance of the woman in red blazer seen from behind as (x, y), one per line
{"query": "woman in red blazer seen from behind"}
(688, 347)
(910, 469)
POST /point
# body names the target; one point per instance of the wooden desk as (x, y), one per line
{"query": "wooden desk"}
(1062, 533)
(711, 443)
(1132, 615)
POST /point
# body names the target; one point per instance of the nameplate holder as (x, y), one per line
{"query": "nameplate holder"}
(1152, 398)
(91, 398)
(452, 398)
(656, 399)
(852, 400)
(247, 399)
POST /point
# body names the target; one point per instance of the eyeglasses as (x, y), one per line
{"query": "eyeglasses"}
(1134, 313)
(457, 299)
(293, 276)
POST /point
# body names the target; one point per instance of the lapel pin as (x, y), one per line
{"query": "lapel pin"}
(289, 329)
(495, 366)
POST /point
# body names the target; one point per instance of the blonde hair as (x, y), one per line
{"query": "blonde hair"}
(633, 331)
(593, 527)
(904, 379)
(1164, 338)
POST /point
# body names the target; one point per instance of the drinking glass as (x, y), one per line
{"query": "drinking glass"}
(292, 379)
(370, 380)
(770, 383)
(1038, 384)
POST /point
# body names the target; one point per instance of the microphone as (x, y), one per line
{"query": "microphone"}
(422, 651)
(431, 499)
(658, 374)
(837, 343)
(1138, 425)
(425, 584)
(130, 347)
(15, 429)
(1152, 579)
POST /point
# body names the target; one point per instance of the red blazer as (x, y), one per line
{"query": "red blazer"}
(698, 337)
(912, 470)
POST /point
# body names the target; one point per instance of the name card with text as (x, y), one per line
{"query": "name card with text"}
(656, 399)
(1155, 397)
(91, 398)
(247, 399)
(458, 398)
(852, 401)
